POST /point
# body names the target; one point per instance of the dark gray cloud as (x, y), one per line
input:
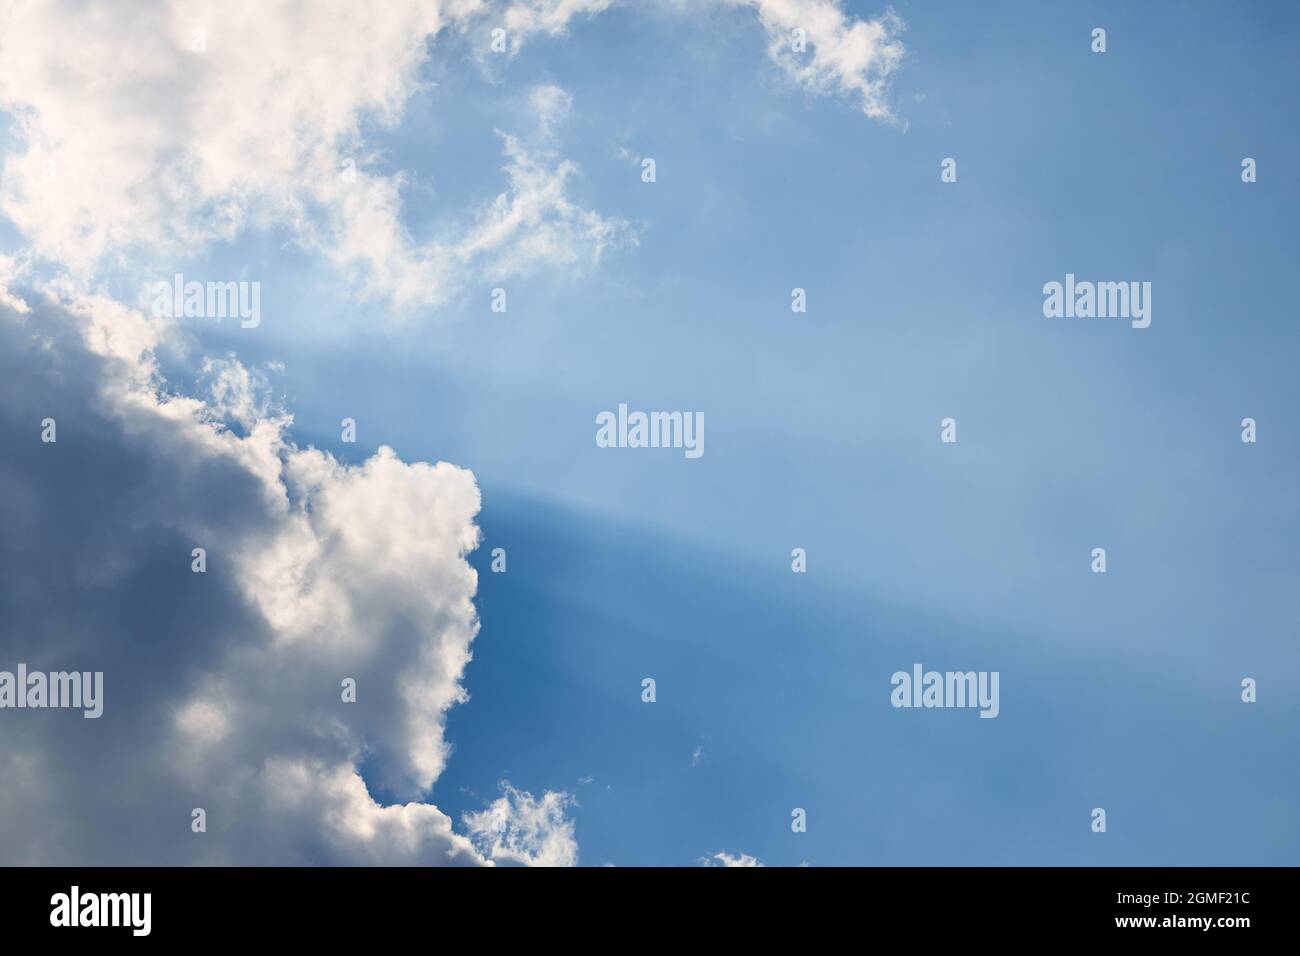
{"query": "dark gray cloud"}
(222, 690)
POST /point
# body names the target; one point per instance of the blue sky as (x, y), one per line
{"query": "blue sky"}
(1119, 691)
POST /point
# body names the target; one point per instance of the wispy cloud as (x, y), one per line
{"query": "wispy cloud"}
(843, 54)
(723, 858)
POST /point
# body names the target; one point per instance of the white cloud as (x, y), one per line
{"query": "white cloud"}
(222, 111)
(520, 829)
(523, 18)
(532, 223)
(551, 105)
(246, 115)
(723, 858)
(845, 55)
(10, 271)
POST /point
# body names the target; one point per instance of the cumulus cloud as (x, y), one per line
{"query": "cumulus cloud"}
(251, 115)
(223, 689)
